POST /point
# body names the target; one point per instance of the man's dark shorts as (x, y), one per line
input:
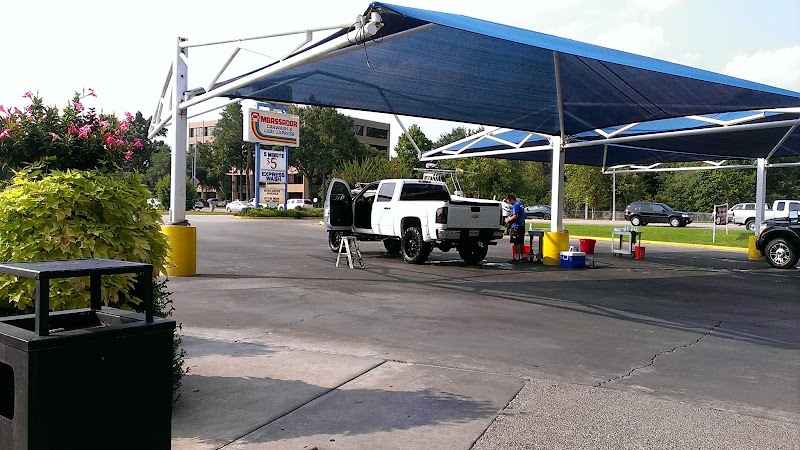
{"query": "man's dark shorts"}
(517, 235)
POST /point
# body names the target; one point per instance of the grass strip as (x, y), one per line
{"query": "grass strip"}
(702, 236)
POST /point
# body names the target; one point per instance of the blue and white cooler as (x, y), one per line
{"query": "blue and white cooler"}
(571, 259)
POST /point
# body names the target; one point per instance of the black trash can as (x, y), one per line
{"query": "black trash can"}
(87, 378)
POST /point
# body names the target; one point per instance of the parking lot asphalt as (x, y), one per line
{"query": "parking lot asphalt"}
(688, 348)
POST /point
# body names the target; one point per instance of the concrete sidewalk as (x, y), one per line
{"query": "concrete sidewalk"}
(247, 395)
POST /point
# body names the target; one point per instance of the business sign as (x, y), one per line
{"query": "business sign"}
(721, 212)
(273, 166)
(272, 197)
(271, 128)
(269, 176)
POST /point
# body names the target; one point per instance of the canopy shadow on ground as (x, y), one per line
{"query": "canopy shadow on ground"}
(410, 409)
(689, 298)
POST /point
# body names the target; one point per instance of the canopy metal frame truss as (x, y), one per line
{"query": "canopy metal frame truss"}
(176, 98)
(605, 138)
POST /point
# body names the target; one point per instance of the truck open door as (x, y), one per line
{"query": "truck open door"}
(338, 213)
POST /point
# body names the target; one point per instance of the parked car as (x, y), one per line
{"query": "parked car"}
(262, 204)
(154, 202)
(537, 212)
(294, 203)
(747, 214)
(215, 202)
(199, 204)
(642, 213)
(779, 241)
(237, 206)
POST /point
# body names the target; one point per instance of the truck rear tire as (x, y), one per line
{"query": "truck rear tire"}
(414, 249)
(473, 252)
(781, 254)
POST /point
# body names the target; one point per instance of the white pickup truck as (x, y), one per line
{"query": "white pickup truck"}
(745, 213)
(411, 217)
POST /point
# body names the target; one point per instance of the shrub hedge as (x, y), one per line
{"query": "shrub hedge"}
(297, 213)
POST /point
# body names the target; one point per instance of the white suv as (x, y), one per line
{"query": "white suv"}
(294, 203)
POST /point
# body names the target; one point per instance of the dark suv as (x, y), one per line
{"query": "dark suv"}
(642, 213)
(779, 241)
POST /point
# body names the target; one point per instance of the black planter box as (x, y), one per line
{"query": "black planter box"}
(85, 378)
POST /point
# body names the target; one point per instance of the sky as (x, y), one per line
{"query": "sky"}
(122, 52)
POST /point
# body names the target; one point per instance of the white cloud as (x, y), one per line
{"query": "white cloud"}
(780, 67)
(650, 6)
(635, 38)
(692, 59)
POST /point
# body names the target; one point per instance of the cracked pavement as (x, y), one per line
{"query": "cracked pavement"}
(653, 359)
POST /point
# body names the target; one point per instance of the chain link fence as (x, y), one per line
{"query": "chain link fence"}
(706, 217)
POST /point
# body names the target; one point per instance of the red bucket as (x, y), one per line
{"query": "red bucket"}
(526, 250)
(638, 252)
(587, 246)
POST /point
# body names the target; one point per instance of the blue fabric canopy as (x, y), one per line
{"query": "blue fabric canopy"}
(451, 67)
(745, 145)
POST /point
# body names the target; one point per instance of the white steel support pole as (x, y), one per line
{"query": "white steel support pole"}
(557, 186)
(557, 143)
(761, 190)
(613, 196)
(177, 195)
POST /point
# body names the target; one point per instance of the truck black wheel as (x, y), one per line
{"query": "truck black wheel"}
(750, 225)
(473, 252)
(414, 249)
(636, 221)
(392, 246)
(781, 254)
(674, 222)
(334, 240)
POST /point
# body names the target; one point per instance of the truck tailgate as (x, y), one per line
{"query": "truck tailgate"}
(473, 214)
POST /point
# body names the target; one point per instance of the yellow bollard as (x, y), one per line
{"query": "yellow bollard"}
(182, 255)
(554, 243)
(752, 253)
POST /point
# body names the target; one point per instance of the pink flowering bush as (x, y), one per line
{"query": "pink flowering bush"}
(76, 137)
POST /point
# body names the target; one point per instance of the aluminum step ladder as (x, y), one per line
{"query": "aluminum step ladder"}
(349, 246)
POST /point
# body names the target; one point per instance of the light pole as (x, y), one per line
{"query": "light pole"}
(194, 166)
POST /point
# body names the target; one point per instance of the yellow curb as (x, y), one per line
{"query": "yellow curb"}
(674, 244)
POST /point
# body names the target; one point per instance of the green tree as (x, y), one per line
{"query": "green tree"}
(494, 177)
(630, 187)
(456, 134)
(142, 158)
(229, 151)
(586, 185)
(159, 167)
(406, 155)
(782, 182)
(326, 141)
(368, 169)
(164, 188)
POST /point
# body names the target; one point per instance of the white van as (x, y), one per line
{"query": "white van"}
(294, 203)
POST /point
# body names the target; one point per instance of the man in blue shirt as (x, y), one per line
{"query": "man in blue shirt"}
(516, 220)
